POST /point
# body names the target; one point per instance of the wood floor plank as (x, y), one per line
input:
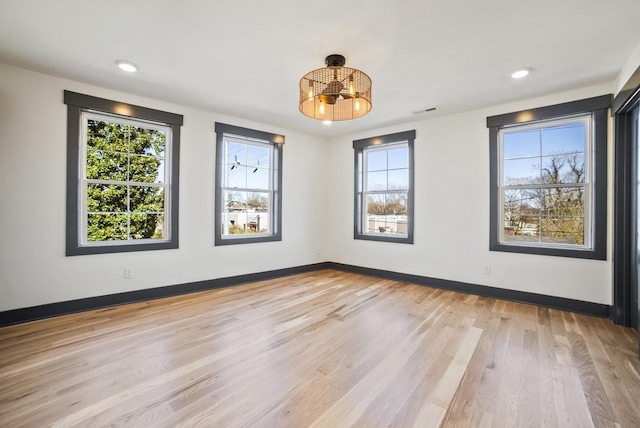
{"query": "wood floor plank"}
(323, 349)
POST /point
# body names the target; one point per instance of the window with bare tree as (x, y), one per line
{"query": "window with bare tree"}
(549, 180)
(384, 188)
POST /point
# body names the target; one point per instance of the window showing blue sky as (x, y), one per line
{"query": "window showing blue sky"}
(529, 155)
(388, 169)
(543, 174)
(247, 166)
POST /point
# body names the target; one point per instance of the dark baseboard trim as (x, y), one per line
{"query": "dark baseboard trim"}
(571, 305)
(21, 315)
(50, 310)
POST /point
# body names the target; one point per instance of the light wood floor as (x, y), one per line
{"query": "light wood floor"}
(322, 349)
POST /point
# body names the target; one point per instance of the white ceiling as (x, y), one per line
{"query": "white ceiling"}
(245, 57)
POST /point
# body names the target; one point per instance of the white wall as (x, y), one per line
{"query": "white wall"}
(452, 206)
(451, 238)
(630, 67)
(33, 266)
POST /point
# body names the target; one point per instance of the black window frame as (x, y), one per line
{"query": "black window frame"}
(77, 104)
(359, 147)
(278, 142)
(597, 108)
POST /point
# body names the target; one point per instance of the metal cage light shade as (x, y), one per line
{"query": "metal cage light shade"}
(335, 92)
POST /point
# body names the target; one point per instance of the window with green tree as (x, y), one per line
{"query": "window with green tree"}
(125, 179)
(125, 192)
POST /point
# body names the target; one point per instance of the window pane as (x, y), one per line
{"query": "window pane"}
(375, 204)
(387, 213)
(398, 179)
(143, 141)
(563, 230)
(396, 225)
(376, 160)
(107, 227)
(563, 201)
(234, 201)
(102, 135)
(257, 202)
(257, 156)
(521, 214)
(258, 178)
(522, 228)
(146, 226)
(396, 204)
(146, 199)
(245, 223)
(234, 223)
(521, 144)
(563, 139)
(258, 222)
(522, 201)
(156, 145)
(521, 171)
(387, 224)
(376, 223)
(107, 198)
(563, 168)
(236, 176)
(236, 153)
(103, 165)
(146, 169)
(398, 158)
(377, 180)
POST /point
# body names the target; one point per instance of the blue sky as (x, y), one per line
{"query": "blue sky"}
(526, 152)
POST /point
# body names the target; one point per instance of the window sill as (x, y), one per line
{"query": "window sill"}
(247, 240)
(586, 253)
(120, 248)
(380, 238)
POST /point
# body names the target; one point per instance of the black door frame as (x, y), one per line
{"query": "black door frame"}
(624, 204)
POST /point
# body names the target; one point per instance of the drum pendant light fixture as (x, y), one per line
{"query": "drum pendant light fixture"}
(335, 92)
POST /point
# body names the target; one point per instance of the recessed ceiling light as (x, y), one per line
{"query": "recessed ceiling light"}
(520, 73)
(327, 122)
(127, 66)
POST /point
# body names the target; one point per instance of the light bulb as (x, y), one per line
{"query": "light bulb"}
(310, 91)
(321, 107)
(351, 90)
(357, 104)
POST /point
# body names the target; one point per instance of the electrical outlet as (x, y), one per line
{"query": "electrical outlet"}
(486, 269)
(128, 273)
